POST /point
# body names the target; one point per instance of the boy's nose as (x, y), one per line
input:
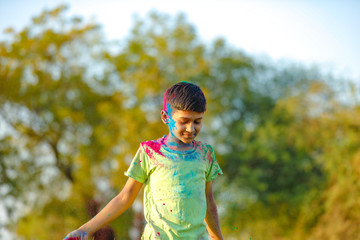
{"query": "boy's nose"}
(190, 128)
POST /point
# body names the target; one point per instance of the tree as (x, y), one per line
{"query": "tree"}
(76, 106)
(61, 119)
(333, 212)
(75, 112)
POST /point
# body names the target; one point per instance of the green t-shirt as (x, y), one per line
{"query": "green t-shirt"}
(174, 193)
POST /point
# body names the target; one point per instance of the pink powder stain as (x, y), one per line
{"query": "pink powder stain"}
(165, 103)
(197, 145)
(163, 203)
(170, 210)
(219, 174)
(155, 146)
(209, 156)
(139, 161)
(158, 233)
(152, 147)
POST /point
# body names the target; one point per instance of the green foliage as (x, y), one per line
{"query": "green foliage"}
(75, 112)
(51, 103)
(335, 213)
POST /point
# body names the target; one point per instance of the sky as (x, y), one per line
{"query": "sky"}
(321, 32)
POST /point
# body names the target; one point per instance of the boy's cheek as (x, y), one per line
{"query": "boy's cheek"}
(198, 129)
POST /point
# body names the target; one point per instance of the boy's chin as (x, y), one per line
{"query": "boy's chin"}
(187, 140)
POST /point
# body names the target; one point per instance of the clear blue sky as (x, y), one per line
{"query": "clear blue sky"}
(322, 32)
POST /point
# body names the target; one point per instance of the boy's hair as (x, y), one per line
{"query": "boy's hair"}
(185, 96)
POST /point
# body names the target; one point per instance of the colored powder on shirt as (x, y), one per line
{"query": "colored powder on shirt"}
(174, 193)
(154, 146)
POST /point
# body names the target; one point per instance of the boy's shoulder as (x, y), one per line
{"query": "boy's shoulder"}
(203, 145)
(154, 144)
(158, 143)
(153, 149)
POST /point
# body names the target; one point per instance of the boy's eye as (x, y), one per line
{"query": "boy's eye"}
(185, 122)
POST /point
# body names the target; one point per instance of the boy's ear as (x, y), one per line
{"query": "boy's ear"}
(164, 117)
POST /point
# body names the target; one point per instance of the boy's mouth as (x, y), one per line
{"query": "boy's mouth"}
(189, 135)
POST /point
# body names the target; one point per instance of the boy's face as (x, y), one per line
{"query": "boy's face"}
(184, 126)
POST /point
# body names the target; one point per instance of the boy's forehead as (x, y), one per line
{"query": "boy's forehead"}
(187, 114)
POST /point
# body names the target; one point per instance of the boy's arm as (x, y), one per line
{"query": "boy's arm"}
(114, 208)
(211, 218)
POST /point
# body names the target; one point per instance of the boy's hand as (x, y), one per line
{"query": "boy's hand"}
(77, 235)
(112, 210)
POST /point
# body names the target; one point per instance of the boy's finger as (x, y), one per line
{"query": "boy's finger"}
(72, 237)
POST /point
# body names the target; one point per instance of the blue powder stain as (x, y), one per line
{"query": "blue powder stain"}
(176, 173)
(173, 144)
(171, 122)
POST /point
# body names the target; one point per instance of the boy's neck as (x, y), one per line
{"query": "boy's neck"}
(175, 144)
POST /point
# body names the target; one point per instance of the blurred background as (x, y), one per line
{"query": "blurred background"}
(82, 82)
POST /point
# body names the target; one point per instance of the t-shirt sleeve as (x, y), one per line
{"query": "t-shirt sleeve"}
(213, 167)
(138, 167)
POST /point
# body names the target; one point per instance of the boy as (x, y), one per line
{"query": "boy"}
(177, 172)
